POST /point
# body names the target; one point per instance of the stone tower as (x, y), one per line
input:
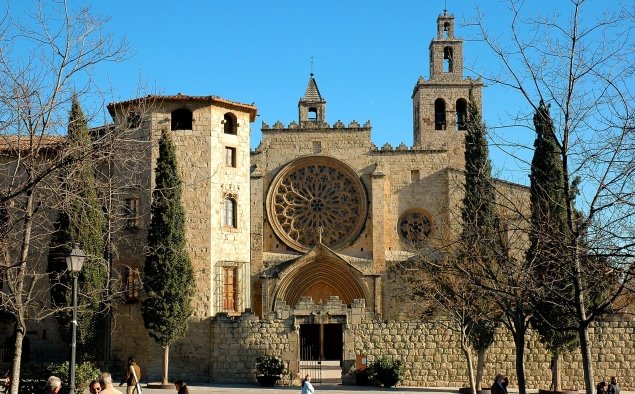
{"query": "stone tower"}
(440, 103)
(312, 107)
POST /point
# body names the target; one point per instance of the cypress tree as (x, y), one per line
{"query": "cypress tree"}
(81, 221)
(549, 235)
(481, 237)
(168, 271)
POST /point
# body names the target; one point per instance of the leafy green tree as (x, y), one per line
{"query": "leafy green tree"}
(81, 221)
(169, 275)
(549, 237)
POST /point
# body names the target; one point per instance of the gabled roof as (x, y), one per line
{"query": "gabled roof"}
(250, 108)
(312, 92)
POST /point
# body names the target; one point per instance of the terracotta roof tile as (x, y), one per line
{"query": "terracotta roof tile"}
(252, 109)
(13, 143)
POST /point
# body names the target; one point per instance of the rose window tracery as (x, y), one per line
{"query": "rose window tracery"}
(415, 227)
(316, 198)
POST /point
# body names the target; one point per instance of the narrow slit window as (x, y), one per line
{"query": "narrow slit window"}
(447, 60)
(461, 114)
(229, 213)
(439, 114)
(230, 156)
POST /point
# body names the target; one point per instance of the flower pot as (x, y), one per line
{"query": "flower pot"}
(267, 380)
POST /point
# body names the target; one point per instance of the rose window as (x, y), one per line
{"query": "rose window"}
(317, 198)
(415, 227)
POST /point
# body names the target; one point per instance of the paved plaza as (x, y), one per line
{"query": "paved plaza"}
(332, 389)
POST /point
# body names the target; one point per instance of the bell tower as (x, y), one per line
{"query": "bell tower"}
(440, 103)
(312, 107)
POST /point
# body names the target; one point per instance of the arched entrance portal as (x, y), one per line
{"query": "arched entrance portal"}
(319, 289)
(320, 279)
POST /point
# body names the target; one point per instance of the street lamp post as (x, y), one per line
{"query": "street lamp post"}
(74, 264)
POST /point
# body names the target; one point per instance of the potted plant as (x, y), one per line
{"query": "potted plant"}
(269, 370)
(387, 372)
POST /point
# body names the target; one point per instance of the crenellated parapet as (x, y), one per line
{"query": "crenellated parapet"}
(403, 148)
(316, 126)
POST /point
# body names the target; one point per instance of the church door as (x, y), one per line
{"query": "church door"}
(321, 342)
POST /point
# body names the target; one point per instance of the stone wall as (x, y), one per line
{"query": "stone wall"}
(430, 351)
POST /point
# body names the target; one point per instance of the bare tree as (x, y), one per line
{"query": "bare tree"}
(583, 67)
(40, 68)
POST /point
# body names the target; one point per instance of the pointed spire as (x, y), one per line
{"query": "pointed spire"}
(312, 92)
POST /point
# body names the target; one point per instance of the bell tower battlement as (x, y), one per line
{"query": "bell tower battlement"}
(439, 103)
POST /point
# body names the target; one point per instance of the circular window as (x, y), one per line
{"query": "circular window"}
(415, 227)
(317, 198)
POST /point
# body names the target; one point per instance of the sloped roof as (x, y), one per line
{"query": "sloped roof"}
(250, 108)
(17, 143)
(312, 92)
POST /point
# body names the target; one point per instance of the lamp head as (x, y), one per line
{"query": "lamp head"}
(75, 260)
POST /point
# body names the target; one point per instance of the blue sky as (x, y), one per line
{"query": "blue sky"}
(367, 55)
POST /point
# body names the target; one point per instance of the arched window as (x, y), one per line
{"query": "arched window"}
(461, 114)
(439, 114)
(447, 60)
(446, 30)
(229, 213)
(230, 124)
(181, 119)
(313, 114)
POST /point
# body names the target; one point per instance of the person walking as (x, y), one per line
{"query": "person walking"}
(132, 376)
(181, 387)
(307, 387)
(53, 385)
(499, 386)
(106, 384)
(614, 387)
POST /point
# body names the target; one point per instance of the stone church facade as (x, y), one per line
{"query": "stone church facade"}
(292, 242)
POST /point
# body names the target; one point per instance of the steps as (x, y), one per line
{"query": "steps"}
(322, 372)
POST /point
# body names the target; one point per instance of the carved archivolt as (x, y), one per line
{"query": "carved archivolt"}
(317, 197)
(415, 227)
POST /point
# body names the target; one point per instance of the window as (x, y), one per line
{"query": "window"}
(230, 124)
(439, 114)
(446, 30)
(134, 119)
(414, 175)
(317, 146)
(229, 213)
(230, 156)
(461, 114)
(313, 114)
(181, 119)
(131, 212)
(133, 284)
(230, 289)
(447, 60)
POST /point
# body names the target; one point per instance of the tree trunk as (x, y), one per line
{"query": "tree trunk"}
(480, 361)
(519, 342)
(556, 380)
(468, 358)
(17, 359)
(166, 359)
(587, 365)
(18, 291)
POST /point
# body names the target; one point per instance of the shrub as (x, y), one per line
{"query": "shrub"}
(270, 366)
(387, 372)
(84, 374)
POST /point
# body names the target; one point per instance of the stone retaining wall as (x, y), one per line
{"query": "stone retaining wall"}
(430, 351)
